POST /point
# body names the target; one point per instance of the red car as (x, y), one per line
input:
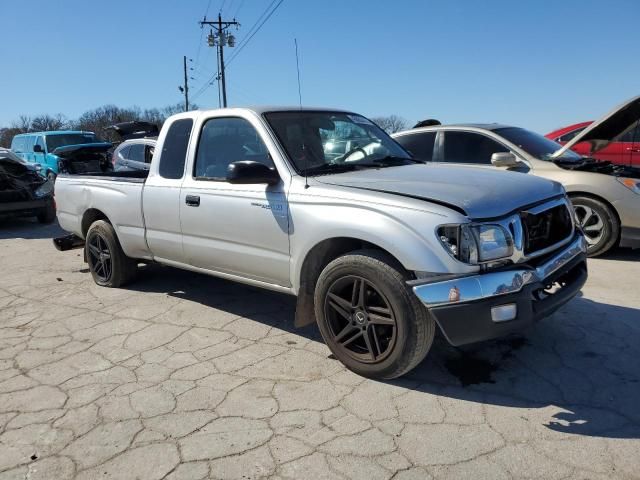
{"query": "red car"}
(625, 150)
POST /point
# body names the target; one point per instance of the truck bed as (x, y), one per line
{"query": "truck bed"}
(115, 195)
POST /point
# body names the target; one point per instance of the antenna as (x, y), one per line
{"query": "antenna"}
(295, 40)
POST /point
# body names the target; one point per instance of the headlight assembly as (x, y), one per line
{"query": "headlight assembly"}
(632, 184)
(45, 189)
(476, 243)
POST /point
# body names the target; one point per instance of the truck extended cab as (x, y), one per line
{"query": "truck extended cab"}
(322, 204)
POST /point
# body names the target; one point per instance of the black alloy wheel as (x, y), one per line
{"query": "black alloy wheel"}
(360, 319)
(99, 257)
(369, 317)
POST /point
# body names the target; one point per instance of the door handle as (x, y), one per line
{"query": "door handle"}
(192, 200)
(634, 150)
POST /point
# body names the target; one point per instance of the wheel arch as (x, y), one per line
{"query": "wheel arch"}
(90, 216)
(594, 196)
(318, 257)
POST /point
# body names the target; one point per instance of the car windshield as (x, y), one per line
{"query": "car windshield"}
(330, 142)
(9, 155)
(64, 139)
(536, 145)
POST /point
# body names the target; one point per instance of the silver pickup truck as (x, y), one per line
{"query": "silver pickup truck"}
(322, 204)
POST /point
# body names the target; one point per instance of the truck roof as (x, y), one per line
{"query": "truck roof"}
(55, 132)
(260, 109)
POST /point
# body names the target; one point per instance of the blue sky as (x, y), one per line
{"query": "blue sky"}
(536, 64)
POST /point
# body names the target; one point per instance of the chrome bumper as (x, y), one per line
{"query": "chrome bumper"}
(494, 284)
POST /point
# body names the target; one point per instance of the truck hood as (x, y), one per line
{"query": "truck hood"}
(70, 151)
(476, 192)
(613, 125)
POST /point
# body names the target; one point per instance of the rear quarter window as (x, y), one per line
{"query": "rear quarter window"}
(174, 149)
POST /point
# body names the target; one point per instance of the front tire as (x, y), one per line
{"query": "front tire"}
(369, 318)
(108, 264)
(598, 222)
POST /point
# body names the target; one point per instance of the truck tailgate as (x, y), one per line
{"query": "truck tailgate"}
(80, 198)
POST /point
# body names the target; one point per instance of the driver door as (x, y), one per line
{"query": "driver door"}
(241, 230)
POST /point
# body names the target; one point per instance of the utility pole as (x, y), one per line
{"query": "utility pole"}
(185, 88)
(220, 38)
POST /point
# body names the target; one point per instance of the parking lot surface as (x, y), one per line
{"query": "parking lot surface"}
(183, 376)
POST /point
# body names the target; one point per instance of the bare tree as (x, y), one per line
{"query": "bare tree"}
(391, 123)
(7, 134)
(95, 120)
(43, 123)
(23, 124)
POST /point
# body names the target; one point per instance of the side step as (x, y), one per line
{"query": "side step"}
(68, 242)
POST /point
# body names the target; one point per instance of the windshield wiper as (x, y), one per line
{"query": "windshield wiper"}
(392, 160)
(327, 168)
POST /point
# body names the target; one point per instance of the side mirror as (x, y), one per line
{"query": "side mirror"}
(504, 159)
(247, 172)
(38, 148)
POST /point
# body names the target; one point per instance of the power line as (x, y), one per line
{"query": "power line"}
(246, 42)
(255, 24)
(255, 28)
(264, 12)
(238, 9)
(201, 35)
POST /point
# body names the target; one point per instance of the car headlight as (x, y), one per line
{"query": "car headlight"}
(632, 184)
(478, 243)
(45, 189)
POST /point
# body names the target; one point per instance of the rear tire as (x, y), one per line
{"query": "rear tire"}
(48, 214)
(598, 222)
(369, 318)
(108, 264)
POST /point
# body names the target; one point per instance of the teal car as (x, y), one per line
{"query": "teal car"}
(40, 147)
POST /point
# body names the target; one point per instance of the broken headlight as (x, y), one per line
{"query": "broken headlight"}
(45, 189)
(477, 243)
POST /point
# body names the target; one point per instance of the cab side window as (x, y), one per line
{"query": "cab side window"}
(136, 153)
(420, 145)
(174, 149)
(29, 142)
(224, 141)
(40, 141)
(470, 147)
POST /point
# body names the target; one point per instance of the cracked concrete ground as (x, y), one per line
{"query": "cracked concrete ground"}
(182, 376)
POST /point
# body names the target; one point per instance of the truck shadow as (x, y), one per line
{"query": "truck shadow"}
(582, 363)
(622, 254)
(28, 228)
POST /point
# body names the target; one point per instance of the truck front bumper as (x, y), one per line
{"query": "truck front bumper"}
(489, 305)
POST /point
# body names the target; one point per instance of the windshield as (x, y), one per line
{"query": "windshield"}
(64, 139)
(536, 145)
(321, 142)
(9, 155)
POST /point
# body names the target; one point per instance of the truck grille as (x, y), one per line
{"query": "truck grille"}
(544, 229)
